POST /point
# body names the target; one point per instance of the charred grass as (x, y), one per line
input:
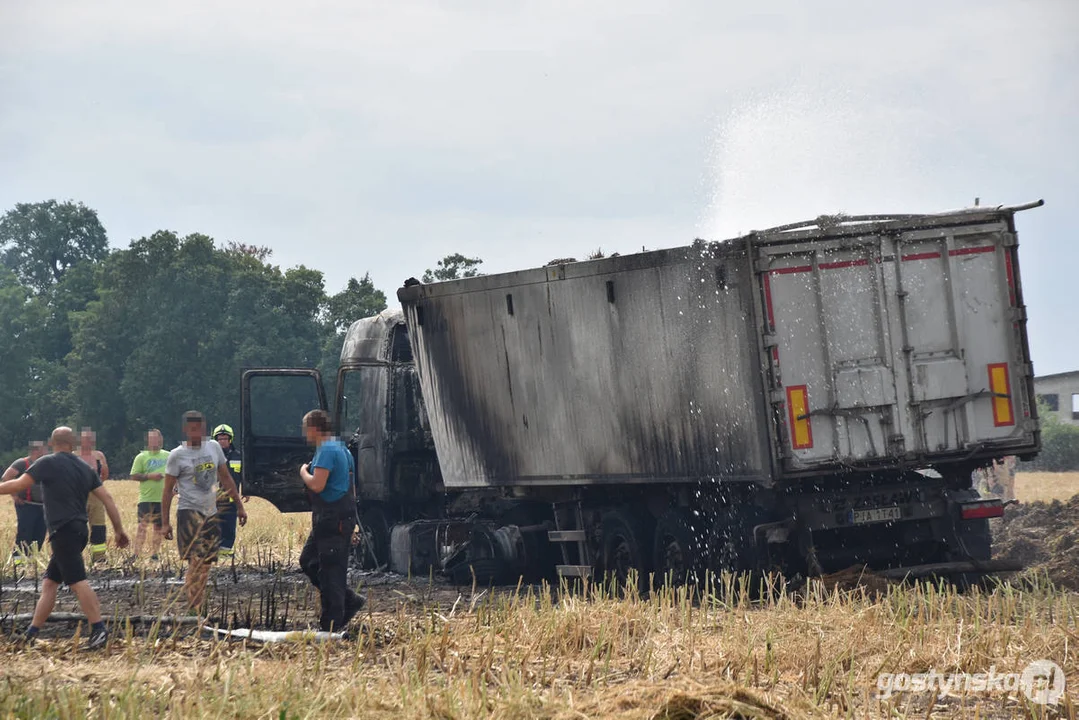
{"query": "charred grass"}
(428, 651)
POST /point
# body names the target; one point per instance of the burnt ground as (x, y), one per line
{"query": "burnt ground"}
(1044, 536)
(238, 597)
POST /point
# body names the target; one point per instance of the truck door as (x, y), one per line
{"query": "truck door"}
(831, 352)
(957, 304)
(273, 403)
(904, 345)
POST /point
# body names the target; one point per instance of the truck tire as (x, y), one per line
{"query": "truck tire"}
(734, 549)
(627, 545)
(676, 551)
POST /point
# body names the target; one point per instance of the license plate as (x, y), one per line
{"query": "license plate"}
(875, 515)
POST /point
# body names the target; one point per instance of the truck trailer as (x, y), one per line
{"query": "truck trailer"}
(803, 399)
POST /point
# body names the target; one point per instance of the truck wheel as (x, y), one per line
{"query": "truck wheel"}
(734, 548)
(676, 555)
(627, 544)
(373, 549)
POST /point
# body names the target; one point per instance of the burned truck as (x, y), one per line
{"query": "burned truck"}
(804, 399)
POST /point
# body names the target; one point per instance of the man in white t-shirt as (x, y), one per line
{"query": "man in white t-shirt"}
(195, 468)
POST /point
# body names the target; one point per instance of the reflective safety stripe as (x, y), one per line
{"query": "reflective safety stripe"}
(798, 416)
(1000, 386)
(234, 465)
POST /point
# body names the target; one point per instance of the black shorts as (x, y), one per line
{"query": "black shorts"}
(197, 536)
(66, 564)
(150, 512)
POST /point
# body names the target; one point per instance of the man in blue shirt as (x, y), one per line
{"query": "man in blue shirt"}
(324, 558)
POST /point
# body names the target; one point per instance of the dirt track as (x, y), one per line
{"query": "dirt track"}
(1044, 536)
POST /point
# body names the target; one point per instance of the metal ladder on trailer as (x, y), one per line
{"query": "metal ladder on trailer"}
(569, 533)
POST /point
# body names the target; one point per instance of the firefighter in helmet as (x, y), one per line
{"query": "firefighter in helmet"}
(226, 507)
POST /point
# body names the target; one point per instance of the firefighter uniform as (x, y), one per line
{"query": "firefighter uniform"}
(226, 506)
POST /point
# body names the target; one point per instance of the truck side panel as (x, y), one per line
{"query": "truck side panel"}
(634, 369)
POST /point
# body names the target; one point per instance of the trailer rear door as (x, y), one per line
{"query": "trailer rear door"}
(905, 344)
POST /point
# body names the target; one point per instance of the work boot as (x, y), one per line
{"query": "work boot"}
(98, 552)
(353, 604)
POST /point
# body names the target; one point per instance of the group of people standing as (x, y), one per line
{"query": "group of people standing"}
(30, 513)
(200, 474)
(148, 469)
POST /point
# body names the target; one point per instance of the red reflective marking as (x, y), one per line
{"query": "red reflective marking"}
(791, 270)
(982, 511)
(921, 256)
(768, 302)
(843, 264)
(1011, 276)
(771, 315)
(973, 250)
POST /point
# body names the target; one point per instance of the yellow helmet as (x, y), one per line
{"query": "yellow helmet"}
(223, 429)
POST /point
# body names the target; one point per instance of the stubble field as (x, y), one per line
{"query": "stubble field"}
(430, 650)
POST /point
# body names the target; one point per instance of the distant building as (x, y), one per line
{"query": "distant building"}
(1061, 393)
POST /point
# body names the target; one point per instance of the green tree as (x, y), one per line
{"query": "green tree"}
(175, 322)
(31, 383)
(129, 339)
(1060, 443)
(358, 300)
(16, 326)
(40, 242)
(453, 267)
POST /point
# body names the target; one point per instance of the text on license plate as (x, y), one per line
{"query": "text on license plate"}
(875, 515)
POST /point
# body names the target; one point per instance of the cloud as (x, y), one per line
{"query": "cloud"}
(356, 136)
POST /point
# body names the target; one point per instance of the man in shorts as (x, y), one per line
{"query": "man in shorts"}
(195, 468)
(148, 469)
(95, 510)
(66, 483)
(29, 512)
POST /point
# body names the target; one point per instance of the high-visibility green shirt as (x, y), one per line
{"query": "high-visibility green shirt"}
(149, 463)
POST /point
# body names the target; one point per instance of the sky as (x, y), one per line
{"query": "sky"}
(357, 137)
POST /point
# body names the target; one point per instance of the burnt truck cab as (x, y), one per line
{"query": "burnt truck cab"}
(377, 410)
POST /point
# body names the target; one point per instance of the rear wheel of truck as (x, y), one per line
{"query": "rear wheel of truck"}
(676, 556)
(627, 548)
(734, 548)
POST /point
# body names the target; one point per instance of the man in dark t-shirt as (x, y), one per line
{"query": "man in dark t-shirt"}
(66, 483)
(29, 513)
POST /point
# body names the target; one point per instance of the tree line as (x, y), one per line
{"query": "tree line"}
(123, 340)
